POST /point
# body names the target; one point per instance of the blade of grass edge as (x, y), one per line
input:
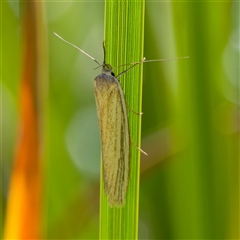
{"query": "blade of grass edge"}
(124, 31)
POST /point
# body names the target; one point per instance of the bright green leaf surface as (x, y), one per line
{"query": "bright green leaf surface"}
(124, 23)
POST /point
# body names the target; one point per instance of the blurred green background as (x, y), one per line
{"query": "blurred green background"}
(190, 128)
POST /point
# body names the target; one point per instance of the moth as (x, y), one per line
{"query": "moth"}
(114, 129)
(114, 132)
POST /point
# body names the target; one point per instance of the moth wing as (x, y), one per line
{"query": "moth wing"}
(114, 131)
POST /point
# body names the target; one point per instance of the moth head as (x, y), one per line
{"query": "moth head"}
(107, 69)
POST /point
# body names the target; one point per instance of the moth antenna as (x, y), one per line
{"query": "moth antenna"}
(98, 67)
(125, 65)
(134, 64)
(104, 52)
(165, 59)
(77, 48)
(145, 61)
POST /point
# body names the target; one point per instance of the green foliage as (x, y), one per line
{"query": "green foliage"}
(124, 44)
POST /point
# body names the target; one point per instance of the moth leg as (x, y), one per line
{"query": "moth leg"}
(134, 64)
(138, 114)
(138, 148)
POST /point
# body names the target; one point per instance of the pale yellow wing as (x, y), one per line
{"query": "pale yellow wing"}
(114, 131)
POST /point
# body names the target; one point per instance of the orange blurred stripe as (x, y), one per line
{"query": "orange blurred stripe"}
(24, 203)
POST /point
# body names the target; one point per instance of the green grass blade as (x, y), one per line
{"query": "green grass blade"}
(124, 23)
